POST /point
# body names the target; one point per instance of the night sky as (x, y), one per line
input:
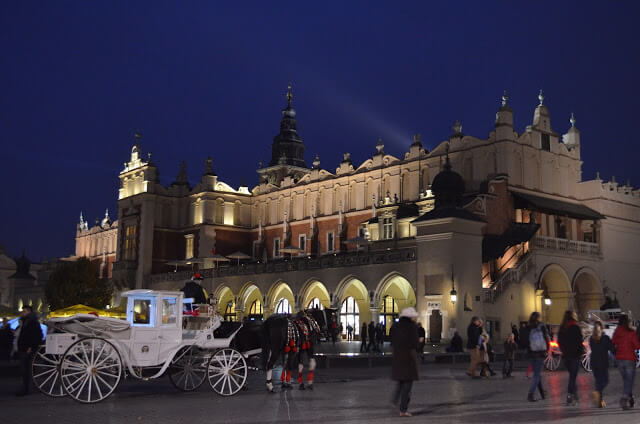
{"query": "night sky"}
(209, 78)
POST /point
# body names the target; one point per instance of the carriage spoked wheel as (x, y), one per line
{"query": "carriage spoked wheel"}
(585, 360)
(90, 370)
(188, 369)
(45, 373)
(227, 372)
(552, 361)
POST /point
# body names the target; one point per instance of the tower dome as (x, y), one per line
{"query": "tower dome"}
(448, 187)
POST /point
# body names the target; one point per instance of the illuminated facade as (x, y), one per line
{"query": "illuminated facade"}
(510, 223)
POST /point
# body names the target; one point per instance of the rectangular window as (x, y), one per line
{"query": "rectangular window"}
(256, 245)
(276, 248)
(302, 243)
(142, 312)
(330, 246)
(130, 242)
(387, 228)
(545, 142)
(169, 311)
(188, 253)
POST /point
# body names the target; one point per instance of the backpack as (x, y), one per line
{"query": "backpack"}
(537, 341)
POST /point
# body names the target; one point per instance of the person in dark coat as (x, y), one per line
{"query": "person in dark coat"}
(570, 342)
(516, 335)
(6, 340)
(380, 336)
(456, 344)
(510, 347)
(29, 339)
(537, 344)
(372, 337)
(404, 364)
(193, 289)
(474, 331)
(600, 345)
(421, 341)
(363, 337)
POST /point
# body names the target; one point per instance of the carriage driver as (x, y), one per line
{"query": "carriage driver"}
(194, 290)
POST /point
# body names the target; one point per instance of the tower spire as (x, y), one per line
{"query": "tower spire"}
(289, 94)
(505, 98)
(541, 97)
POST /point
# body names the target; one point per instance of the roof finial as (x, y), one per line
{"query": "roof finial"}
(316, 162)
(289, 94)
(541, 97)
(106, 213)
(457, 127)
(81, 217)
(380, 146)
(572, 120)
(505, 98)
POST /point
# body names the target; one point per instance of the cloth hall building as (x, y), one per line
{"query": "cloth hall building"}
(496, 227)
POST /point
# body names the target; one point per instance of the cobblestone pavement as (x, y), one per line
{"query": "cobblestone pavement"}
(343, 395)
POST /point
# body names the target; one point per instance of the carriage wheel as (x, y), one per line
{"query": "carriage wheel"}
(552, 361)
(90, 370)
(45, 373)
(585, 360)
(187, 370)
(227, 372)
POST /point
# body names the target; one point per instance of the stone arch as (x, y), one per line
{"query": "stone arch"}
(224, 295)
(392, 295)
(587, 291)
(351, 286)
(279, 290)
(314, 288)
(248, 294)
(555, 283)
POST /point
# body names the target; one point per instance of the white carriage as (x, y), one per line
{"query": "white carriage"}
(86, 356)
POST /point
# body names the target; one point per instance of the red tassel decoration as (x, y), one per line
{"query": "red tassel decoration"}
(288, 376)
(282, 376)
(299, 378)
(287, 349)
(310, 377)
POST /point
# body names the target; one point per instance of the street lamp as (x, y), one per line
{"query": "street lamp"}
(547, 300)
(453, 293)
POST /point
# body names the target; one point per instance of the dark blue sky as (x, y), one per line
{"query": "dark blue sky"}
(208, 78)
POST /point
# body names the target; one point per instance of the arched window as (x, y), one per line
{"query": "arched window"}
(350, 315)
(283, 307)
(230, 312)
(389, 312)
(255, 311)
(315, 304)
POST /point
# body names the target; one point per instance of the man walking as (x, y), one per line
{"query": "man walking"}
(363, 337)
(349, 332)
(6, 340)
(474, 331)
(404, 365)
(372, 337)
(29, 339)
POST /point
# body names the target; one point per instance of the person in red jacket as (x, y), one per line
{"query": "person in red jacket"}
(627, 344)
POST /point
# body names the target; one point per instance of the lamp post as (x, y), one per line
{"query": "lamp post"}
(453, 293)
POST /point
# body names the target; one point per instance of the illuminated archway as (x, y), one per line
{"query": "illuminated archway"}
(354, 288)
(247, 297)
(556, 286)
(280, 290)
(226, 303)
(283, 306)
(587, 290)
(393, 294)
(314, 289)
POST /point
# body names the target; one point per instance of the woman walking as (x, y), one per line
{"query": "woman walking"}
(537, 342)
(404, 363)
(600, 345)
(510, 347)
(627, 345)
(570, 342)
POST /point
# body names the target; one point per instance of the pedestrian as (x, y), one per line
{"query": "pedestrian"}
(600, 345)
(485, 350)
(537, 339)
(372, 337)
(363, 337)
(380, 336)
(6, 340)
(349, 332)
(625, 339)
(522, 336)
(474, 331)
(421, 340)
(334, 332)
(510, 347)
(456, 344)
(570, 343)
(404, 363)
(516, 335)
(29, 339)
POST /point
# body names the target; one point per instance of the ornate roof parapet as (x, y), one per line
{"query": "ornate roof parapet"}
(541, 116)
(504, 116)
(572, 138)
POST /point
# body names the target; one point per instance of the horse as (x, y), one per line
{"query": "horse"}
(291, 338)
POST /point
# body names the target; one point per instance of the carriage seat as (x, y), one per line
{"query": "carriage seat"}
(226, 329)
